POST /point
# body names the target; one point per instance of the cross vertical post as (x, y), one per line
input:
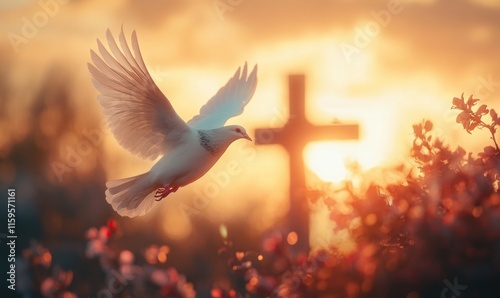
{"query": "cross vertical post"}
(294, 136)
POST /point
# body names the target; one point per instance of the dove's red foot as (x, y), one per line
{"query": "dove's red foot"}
(164, 191)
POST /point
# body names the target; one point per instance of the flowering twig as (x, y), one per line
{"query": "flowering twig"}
(471, 120)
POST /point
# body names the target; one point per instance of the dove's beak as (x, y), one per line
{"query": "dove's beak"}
(248, 137)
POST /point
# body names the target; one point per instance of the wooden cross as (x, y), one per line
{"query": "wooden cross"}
(294, 136)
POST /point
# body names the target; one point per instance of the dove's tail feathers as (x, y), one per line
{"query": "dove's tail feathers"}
(132, 196)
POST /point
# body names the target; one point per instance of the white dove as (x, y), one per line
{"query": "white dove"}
(144, 122)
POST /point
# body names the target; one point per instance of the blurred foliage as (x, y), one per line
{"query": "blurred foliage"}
(439, 226)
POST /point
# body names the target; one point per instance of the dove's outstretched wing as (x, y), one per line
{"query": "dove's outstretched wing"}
(228, 102)
(139, 115)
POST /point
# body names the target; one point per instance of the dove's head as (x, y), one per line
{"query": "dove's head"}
(220, 138)
(235, 132)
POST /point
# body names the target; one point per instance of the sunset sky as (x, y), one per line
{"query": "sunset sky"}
(383, 64)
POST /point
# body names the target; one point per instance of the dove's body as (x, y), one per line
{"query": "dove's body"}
(188, 162)
(144, 122)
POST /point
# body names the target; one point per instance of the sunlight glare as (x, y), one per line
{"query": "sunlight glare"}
(326, 161)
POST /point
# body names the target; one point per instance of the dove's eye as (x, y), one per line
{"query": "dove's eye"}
(238, 130)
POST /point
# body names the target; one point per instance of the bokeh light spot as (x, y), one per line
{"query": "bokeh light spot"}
(162, 257)
(477, 211)
(371, 219)
(292, 238)
(223, 231)
(126, 257)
